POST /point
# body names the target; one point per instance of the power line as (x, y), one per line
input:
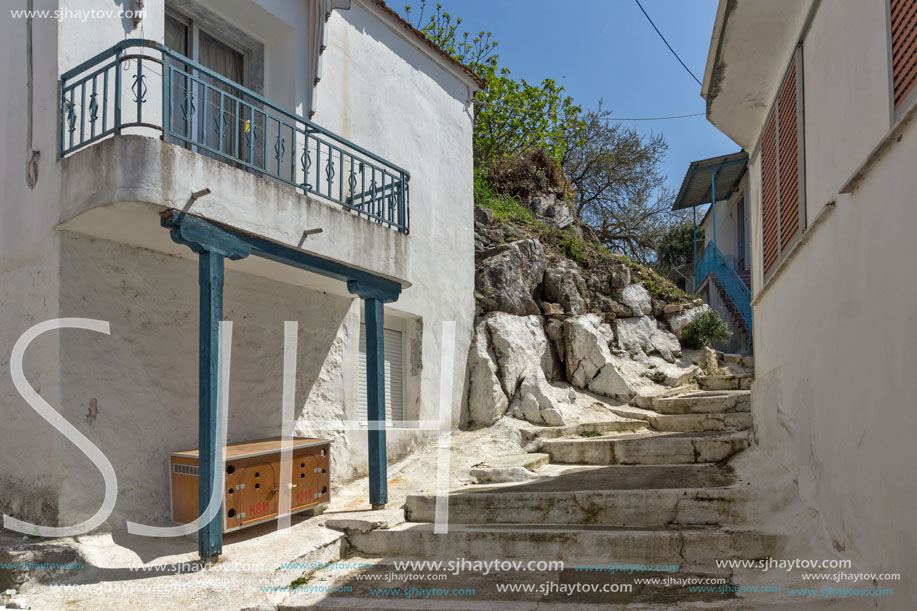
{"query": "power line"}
(667, 43)
(535, 112)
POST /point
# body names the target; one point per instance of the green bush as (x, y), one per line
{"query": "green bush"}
(574, 248)
(504, 206)
(704, 329)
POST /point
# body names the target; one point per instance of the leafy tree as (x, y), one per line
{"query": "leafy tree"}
(676, 246)
(619, 185)
(512, 116)
(612, 171)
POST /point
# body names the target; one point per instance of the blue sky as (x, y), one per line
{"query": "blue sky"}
(606, 49)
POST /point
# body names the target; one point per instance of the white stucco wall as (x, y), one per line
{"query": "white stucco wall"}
(29, 283)
(134, 392)
(834, 328)
(409, 109)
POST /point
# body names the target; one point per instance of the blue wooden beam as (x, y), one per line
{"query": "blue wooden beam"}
(210, 277)
(375, 402)
(188, 229)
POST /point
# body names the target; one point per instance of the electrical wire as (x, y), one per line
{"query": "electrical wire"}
(667, 43)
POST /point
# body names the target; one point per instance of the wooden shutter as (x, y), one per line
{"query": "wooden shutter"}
(788, 159)
(769, 193)
(393, 357)
(782, 176)
(904, 48)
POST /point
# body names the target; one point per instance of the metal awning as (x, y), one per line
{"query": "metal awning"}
(725, 171)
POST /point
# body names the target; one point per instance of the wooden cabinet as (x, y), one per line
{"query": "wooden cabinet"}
(253, 487)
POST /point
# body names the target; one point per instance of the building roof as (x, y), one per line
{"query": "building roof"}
(423, 37)
(726, 171)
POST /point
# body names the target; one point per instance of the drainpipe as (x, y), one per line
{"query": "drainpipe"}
(31, 156)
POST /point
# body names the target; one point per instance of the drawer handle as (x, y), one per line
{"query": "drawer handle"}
(317, 470)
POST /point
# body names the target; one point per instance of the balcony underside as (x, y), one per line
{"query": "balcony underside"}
(116, 189)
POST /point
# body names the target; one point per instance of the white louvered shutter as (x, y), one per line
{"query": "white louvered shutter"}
(394, 376)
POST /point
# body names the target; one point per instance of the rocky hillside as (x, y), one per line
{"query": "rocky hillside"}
(554, 306)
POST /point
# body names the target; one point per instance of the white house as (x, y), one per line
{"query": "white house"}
(722, 252)
(318, 151)
(821, 95)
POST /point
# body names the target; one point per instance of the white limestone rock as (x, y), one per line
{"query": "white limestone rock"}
(538, 402)
(520, 345)
(644, 335)
(586, 340)
(487, 402)
(611, 382)
(678, 320)
(636, 298)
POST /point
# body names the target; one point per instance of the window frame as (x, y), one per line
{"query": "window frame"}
(194, 35)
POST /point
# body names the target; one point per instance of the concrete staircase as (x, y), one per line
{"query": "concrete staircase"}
(654, 489)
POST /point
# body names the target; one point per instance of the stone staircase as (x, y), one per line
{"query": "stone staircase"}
(657, 488)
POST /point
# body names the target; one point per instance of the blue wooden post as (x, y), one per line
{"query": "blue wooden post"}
(375, 401)
(694, 249)
(210, 277)
(713, 202)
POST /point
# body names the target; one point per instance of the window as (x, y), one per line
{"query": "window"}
(783, 170)
(184, 35)
(393, 346)
(903, 22)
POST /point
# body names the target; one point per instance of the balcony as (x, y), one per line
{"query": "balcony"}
(141, 87)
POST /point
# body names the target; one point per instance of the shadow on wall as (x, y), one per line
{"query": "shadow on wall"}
(134, 393)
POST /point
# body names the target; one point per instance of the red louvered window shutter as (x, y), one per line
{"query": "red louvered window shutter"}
(904, 48)
(789, 159)
(769, 194)
(782, 183)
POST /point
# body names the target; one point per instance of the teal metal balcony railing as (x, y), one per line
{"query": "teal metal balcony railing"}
(117, 90)
(712, 261)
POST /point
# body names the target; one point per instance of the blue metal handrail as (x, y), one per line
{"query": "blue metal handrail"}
(215, 116)
(713, 261)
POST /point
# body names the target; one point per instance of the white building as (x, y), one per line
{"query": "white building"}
(721, 276)
(249, 126)
(822, 97)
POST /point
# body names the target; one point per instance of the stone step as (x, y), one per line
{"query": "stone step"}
(746, 362)
(704, 402)
(684, 545)
(577, 430)
(647, 449)
(726, 382)
(688, 422)
(692, 495)
(362, 586)
(646, 401)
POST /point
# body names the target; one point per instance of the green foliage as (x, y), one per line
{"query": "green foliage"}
(574, 248)
(505, 207)
(511, 116)
(590, 433)
(299, 581)
(659, 287)
(704, 329)
(527, 174)
(676, 246)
